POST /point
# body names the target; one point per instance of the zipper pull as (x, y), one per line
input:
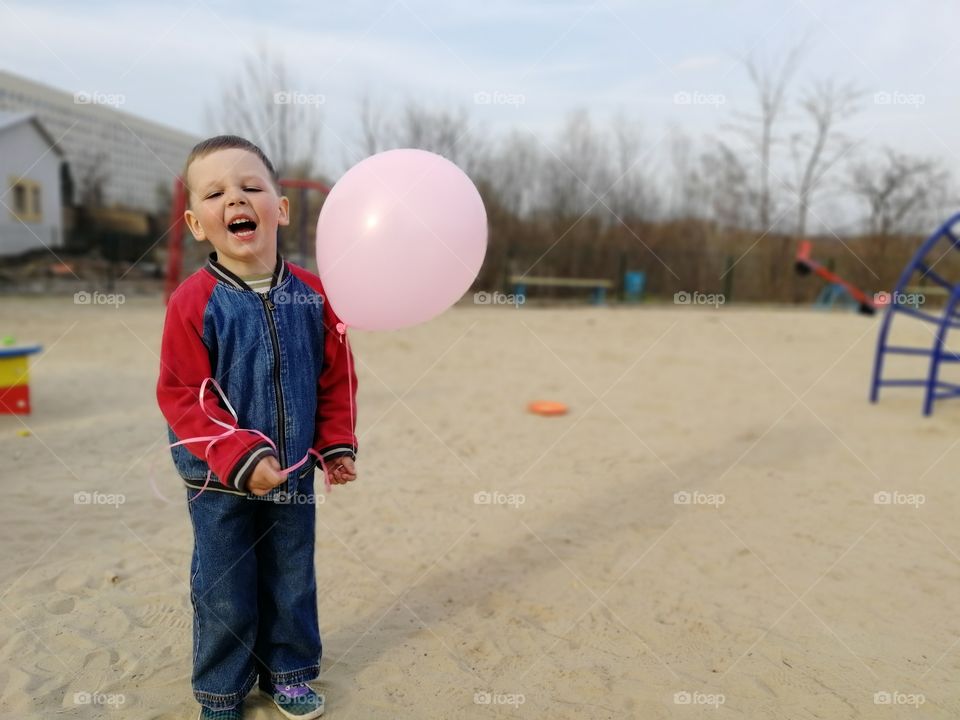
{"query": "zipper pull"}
(269, 303)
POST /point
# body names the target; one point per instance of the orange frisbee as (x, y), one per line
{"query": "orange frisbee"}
(547, 407)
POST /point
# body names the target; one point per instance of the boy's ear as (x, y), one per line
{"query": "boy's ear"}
(193, 222)
(284, 217)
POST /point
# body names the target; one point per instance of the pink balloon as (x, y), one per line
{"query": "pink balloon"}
(400, 238)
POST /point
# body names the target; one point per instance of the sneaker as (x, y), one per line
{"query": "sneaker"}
(233, 713)
(298, 702)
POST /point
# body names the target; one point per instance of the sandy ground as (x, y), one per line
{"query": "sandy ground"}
(587, 589)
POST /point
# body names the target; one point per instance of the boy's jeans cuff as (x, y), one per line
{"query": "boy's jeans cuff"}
(215, 701)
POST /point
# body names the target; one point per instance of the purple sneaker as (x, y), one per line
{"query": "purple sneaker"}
(298, 702)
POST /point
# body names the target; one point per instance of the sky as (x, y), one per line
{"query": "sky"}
(512, 65)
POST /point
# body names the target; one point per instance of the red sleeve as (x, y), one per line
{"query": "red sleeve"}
(184, 364)
(336, 393)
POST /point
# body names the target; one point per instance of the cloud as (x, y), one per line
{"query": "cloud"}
(698, 62)
(171, 60)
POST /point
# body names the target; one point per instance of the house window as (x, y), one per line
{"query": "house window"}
(26, 200)
(19, 199)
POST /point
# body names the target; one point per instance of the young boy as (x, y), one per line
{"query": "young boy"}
(260, 327)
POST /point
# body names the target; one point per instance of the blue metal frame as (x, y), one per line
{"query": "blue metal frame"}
(935, 389)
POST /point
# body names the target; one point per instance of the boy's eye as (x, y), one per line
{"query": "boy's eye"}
(252, 189)
(213, 195)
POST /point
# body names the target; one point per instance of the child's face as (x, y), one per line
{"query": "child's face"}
(228, 186)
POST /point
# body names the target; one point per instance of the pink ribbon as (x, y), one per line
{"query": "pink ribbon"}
(231, 429)
(342, 329)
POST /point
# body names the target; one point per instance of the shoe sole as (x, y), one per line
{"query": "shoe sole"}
(317, 713)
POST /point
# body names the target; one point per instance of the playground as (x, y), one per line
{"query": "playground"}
(721, 513)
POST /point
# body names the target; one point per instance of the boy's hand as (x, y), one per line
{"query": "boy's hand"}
(342, 470)
(266, 476)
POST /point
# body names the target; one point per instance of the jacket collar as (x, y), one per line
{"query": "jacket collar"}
(224, 275)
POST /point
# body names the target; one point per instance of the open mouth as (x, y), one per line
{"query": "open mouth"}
(242, 228)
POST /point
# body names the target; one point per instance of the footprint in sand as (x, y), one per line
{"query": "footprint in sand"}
(61, 606)
(166, 616)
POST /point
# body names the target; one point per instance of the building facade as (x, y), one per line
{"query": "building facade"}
(31, 207)
(117, 158)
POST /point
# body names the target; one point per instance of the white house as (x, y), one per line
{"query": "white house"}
(31, 208)
(134, 157)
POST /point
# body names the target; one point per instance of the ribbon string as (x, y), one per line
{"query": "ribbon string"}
(229, 430)
(342, 329)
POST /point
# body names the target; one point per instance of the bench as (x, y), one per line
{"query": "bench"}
(599, 286)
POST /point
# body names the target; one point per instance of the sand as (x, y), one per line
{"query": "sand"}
(584, 588)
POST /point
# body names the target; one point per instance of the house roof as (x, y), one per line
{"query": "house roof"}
(11, 119)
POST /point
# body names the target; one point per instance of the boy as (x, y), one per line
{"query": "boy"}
(260, 327)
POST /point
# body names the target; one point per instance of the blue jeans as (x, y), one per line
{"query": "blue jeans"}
(253, 589)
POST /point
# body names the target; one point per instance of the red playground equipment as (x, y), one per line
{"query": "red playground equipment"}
(806, 265)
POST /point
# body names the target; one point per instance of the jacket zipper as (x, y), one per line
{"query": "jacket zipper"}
(269, 307)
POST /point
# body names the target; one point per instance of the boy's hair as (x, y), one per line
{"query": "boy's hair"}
(229, 142)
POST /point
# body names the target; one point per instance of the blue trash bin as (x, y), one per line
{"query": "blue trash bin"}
(633, 285)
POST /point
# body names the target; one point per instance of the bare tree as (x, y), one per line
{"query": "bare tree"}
(726, 184)
(447, 133)
(770, 82)
(629, 191)
(898, 190)
(509, 177)
(576, 169)
(515, 173)
(824, 104)
(269, 107)
(688, 196)
(94, 175)
(374, 130)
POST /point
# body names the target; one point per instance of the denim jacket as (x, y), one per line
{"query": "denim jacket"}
(281, 363)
